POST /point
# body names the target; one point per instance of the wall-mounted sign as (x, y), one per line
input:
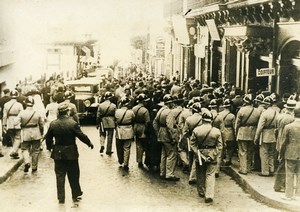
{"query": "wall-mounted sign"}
(213, 30)
(265, 72)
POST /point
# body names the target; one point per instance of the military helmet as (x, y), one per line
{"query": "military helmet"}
(108, 95)
(14, 94)
(207, 115)
(227, 103)
(198, 99)
(248, 98)
(125, 100)
(213, 103)
(259, 98)
(29, 101)
(267, 100)
(142, 97)
(196, 107)
(68, 95)
(190, 103)
(167, 98)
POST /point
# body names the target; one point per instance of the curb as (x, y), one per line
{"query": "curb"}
(11, 171)
(255, 194)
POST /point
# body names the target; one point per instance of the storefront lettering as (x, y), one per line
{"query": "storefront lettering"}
(264, 72)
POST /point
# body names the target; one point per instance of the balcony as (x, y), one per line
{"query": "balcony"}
(196, 4)
(173, 7)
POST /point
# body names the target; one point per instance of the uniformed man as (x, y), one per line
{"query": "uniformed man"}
(32, 124)
(245, 128)
(64, 152)
(226, 121)
(124, 118)
(283, 119)
(206, 143)
(141, 121)
(190, 124)
(11, 110)
(265, 136)
(163, 124)
(106, 122)
(290, 152)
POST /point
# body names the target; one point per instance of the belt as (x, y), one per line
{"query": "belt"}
(30, 126)
(266, 128)
(125, 124)
(12, 115)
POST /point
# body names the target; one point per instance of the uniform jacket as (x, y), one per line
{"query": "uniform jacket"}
(65, 130)
(164, 125)
(125, 119)
(266, 126)
(246, 131)
(215, 115)
(141, 121)
(212, 145)
(106, 113)
(282, 120)
(191, 123)
(11, 110)
(183, 116)
(32, 130)
(291, 145)
(226, 121)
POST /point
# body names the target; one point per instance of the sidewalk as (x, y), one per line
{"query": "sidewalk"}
(7, 165)
(261, 188)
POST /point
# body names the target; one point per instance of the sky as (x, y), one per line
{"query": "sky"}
(111, 22)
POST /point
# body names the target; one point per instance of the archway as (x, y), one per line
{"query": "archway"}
(290, 68)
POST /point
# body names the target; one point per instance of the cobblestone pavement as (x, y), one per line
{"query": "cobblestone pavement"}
(107, 188)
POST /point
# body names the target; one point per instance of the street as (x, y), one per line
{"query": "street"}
(107, 188)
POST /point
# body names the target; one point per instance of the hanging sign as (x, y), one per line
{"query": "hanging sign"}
(265, 72)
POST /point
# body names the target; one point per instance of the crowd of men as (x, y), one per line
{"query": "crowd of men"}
(194, 126)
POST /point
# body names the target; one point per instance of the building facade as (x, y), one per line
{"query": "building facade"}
(254, 44)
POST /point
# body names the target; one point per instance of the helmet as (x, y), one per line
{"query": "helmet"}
(107, 95)
(213, 103)
(248, 98)
(227, 103)
(259, 98)
(198, 99)
(291, 103)
(167, 98)
(142, 97)
(268, 100)
(196, 107)
(14, 94)
(206, 115)
(190, 103)
(68, 95)
(274, 97)
(125, 100)
(29, 101)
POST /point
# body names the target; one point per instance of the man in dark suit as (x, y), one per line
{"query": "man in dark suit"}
(65, 153)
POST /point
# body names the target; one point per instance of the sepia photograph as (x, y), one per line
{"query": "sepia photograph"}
(149, 105)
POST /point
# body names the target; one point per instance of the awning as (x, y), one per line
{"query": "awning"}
(184, 29)
(248, 31)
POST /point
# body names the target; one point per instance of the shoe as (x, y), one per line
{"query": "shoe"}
(271, 174)
(192, 182)
(172, 178)
(109, 153)
(14, 156)
(162, 177)
(34, 170)
(76, 199)
(217, 175)
(27, 166)
(201, 194)
(140, 165)
(1, 155)
(101, 149)
(61, 201)
(244, 173)
(125, 168)
(279, 190)
(208, 200)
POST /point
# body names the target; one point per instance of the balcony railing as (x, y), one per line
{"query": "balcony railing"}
(196, 4)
